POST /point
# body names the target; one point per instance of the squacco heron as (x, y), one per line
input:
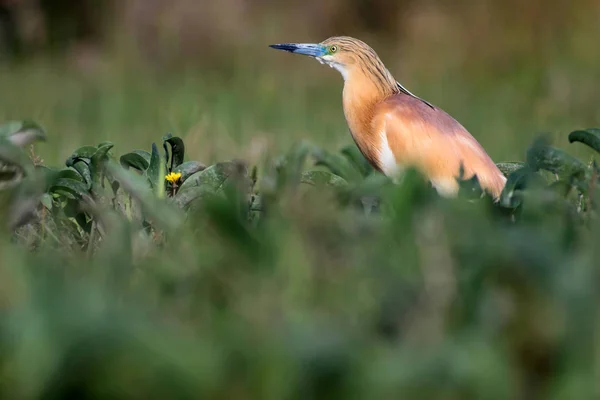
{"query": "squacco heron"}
(393, 128)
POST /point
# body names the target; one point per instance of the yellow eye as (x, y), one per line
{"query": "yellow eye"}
(333, 49)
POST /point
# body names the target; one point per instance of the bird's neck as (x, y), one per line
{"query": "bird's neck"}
(363, 90)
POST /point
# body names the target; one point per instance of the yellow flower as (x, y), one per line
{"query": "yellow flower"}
(173, 177)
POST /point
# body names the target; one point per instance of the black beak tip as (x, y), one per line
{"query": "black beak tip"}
(284, 47)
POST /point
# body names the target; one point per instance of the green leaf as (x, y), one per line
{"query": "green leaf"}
(70, 173)
(516, 182)
(214, 177)
(337, 164)
(138, 159)
(104, 144)
(353, 154)
(22, 133)
(46, 200)
(98, 159)
(557, 161)
(101, 154)
(154, 169)
(189, 168)
(509, 167)
(213, 181)
(320, 178)
(72, 186)
(184, 198)
(590, 137)
(177, 150)
(84, 171)
(82, 153)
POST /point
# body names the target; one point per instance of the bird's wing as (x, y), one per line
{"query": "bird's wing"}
(435, 143)
(405, 91)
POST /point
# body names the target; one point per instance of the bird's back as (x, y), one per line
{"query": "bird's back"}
(414, 133)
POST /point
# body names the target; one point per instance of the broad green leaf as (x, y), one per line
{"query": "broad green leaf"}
(72, 186)
(543, 156)
(22, 133)
(84, 152)
(337, 164)
(101, 154)
(189, 168)
(353, 154)
(590, 137)
(509, 167)
(70, 173)
(83, 169)
(184, 198)
(138, 159)
(214, 177)
(320, 178)
(105, 143)
(177, 150)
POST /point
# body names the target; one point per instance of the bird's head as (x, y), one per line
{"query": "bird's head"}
(340, 52)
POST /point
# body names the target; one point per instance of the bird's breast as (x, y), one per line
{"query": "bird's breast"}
(372, 145)
(371, 140)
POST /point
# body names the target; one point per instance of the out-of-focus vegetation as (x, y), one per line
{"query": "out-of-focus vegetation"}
(252, 252)
(146, 275)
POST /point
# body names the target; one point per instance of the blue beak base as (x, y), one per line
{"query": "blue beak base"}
(312, 50)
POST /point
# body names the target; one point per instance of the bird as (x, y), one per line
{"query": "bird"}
(396, 130)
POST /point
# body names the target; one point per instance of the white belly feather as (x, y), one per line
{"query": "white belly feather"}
(389, 166)
(387, 161)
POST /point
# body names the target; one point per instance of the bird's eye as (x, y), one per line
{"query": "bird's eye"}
(333, 48)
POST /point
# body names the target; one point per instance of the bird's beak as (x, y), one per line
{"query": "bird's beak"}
(312, 50)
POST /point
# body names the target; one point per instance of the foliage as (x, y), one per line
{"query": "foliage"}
(313, 276)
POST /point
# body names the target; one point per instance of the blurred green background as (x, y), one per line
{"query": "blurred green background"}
(429, 299)
(129, 70)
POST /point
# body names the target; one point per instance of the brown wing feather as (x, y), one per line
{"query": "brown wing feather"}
(434, 142)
